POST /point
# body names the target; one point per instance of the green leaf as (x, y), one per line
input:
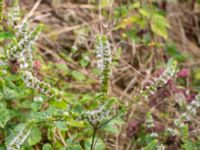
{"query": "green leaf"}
(57, 104)
(1, 96)
(184, 132)
(113, 125)
(144, 12)
(47, 146)
(36, 106)
(99, 144)
(151, 146)
(61, 125)
(10, 94)
(136, 5)
(105, 3)
(2, 147)
(26, 104)
(73, 123)
(173, 51)
(78, 75)
(74, 147)
(127, 21)
(189, 145)
(4, 116)
(159, 25)
(6, 35)
(86, 98)
(12, 78)
(63, 68)
(84, 62)
(35, 136)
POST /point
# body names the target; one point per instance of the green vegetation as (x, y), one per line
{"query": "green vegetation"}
(105, 75)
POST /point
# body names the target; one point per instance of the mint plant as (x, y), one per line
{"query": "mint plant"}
(38, 112)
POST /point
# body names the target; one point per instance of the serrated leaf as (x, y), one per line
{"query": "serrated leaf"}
(4, 116)
(189, 145)
(99, 144)
(173, 51)
(76, 123)
(144, 12)
(10, 94)
(35, 136)
(113, 125)
(6, 35)
(78, 75)
(105, 3)
(36, 106)
(47, 146)
(127, 21)
(151, 146)
(159, 25)
(74, 147)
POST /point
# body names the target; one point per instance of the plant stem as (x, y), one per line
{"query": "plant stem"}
(93, 138)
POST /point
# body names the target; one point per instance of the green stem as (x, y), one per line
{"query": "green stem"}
(93, 138)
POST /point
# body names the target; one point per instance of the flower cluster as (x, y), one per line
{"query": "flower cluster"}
(21, 51)
(171, 131)
(154, 134)
(14, 13)
(103, 54)
(43, 87)
(160, 82)
(190, 111)
(149, 121)
(21, 48)
(194, 105)
(20, 138)
(42, 117)
(96, 116)
(1, 9)
(183, 73)
(150, 124)
(180, 122)
(160, 147)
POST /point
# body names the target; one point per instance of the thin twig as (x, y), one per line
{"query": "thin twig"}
(32, 11)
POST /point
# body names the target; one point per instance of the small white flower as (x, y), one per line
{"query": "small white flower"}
(182, 125)
(20, 138)
(38, 99)
(161, 147)
(191, 109)
(195, 103)
(154, 134)
(149, 121)
(171, 131)
(66, 113)
(180, 99)
(104, 56)
(4, 71)
(177, 122)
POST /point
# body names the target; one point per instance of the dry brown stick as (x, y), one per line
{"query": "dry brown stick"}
(65, 29)
(74, 6)
(32, 11)
(68, 29)
(132, 68)
(60, 137)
